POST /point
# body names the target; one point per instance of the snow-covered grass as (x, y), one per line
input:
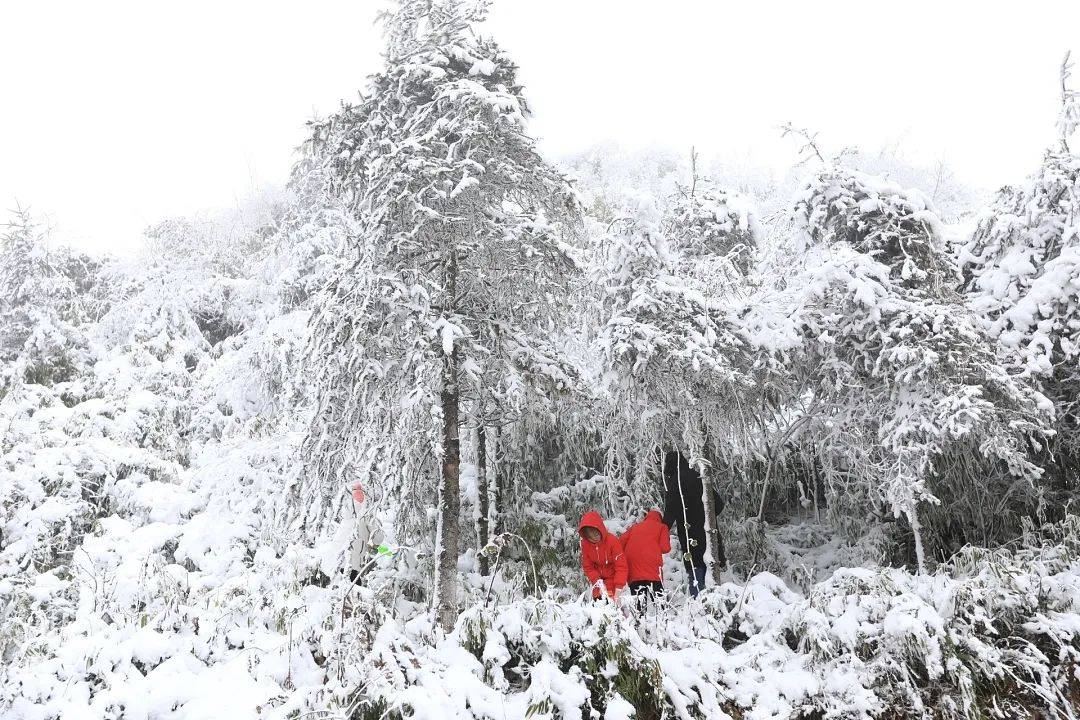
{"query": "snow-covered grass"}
(989, 636)
(164, 554)
(148, 569)
(204, 618)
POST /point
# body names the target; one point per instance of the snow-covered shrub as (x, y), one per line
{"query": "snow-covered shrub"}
(460, 275)
(988, 635)
(974, 640)
(953, 200)
(39, 307)
(714, 224)
(893, 226)
(905, 397)
(547, 524)
(1022, 273)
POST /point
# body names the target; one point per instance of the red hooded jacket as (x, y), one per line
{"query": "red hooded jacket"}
(603, 560)
(645, 545)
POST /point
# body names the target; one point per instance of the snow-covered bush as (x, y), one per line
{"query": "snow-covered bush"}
(902, 394)
(40, 305)
(992, 634)
(1022, 273)
(713, 224)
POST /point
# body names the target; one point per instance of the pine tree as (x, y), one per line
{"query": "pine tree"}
(673, 361)
(38, 303)
(1022, 274)
(714, 224)
(460, 270)
(915, 397)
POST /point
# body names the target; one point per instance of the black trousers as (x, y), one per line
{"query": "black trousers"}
(648, 588)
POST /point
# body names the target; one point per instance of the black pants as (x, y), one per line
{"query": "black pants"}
(695, 574)
(648, 588)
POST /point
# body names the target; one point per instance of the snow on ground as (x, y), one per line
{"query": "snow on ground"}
(147, 571)
(195, 613)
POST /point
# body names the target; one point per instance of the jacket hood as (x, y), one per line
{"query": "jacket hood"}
(592, 519)
(654, 516)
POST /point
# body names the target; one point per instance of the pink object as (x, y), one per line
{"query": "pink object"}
(358, 493)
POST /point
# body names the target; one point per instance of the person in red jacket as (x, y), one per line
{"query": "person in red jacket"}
(601, 556)
(645, 545)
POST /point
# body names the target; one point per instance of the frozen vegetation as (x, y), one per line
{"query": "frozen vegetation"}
(325, 456)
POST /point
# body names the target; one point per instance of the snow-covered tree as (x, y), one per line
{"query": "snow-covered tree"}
(672, 362)
(910, 394)
(1022, 273)
(714, 224)
(38, 304)
(460, 271)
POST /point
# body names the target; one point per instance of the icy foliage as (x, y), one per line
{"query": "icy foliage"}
(224, 463)
(993, 634)
(716, 224)
(1022, 271)
(908, 378)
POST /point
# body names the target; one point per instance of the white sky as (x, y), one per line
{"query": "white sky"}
(117, 114)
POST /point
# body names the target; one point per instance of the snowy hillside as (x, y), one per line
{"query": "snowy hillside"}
(326, 456)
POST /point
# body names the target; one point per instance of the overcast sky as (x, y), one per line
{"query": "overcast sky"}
(116, 114)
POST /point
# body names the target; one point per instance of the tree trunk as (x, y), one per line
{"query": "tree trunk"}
(497, 499)
(916, 530)
(447, 540)
(482, 497)
(448, 532)
(448, 536)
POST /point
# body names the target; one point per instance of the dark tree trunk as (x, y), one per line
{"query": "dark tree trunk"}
(448, 533)
(497, 499)
(482, 497)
